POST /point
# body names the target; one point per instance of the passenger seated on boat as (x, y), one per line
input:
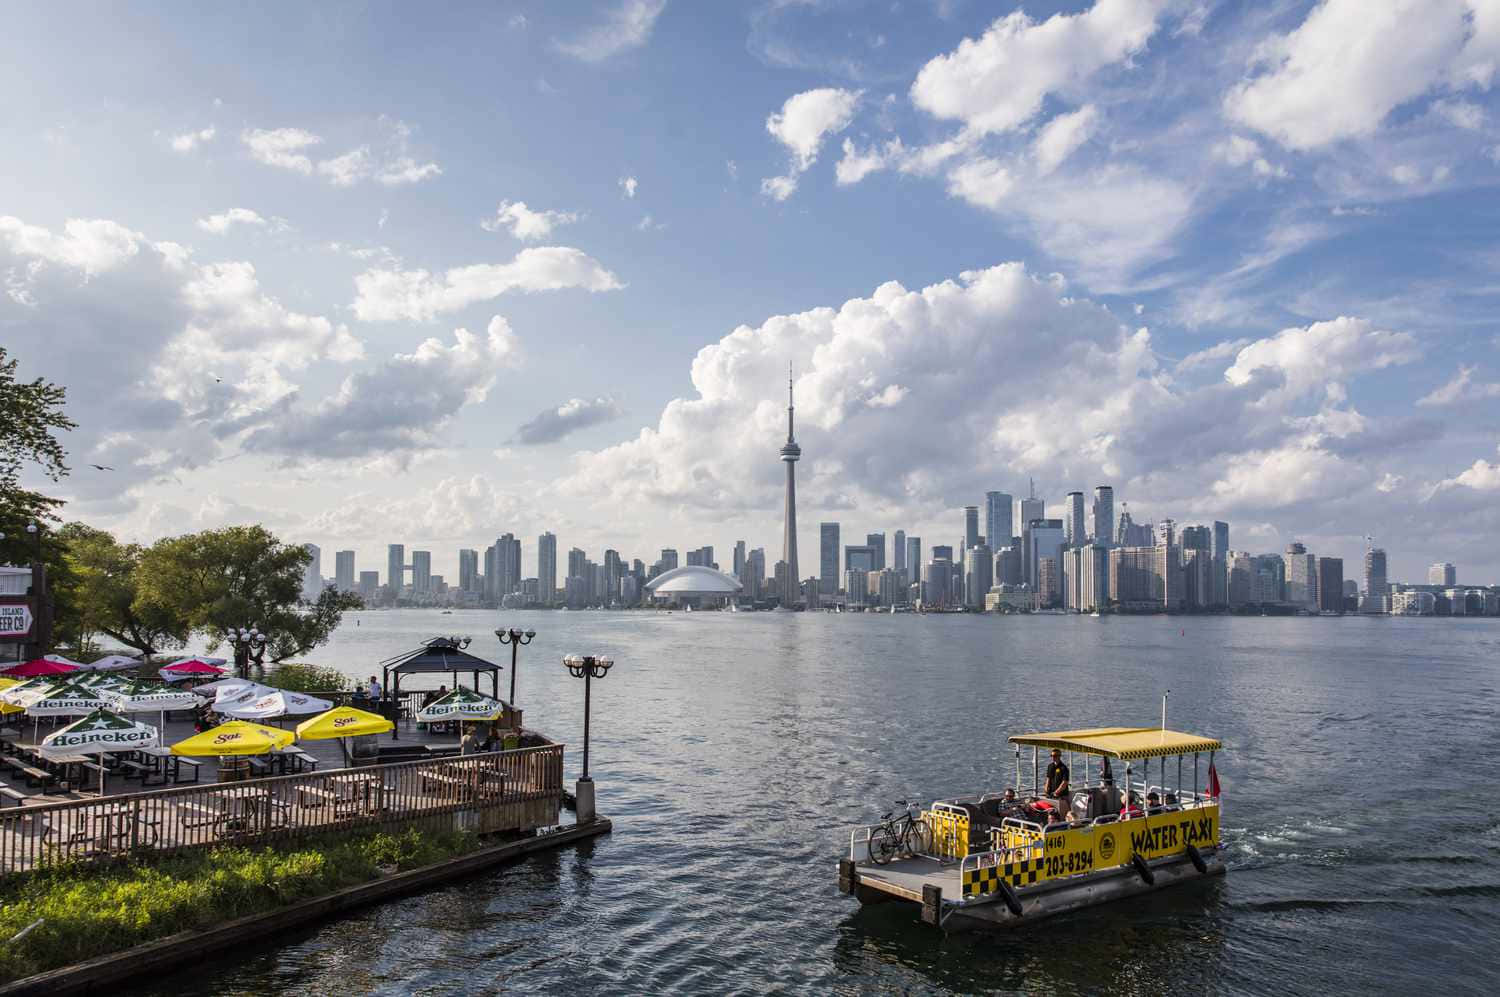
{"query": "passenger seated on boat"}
(1010, 795)
(1171, 802)
(1132, 808)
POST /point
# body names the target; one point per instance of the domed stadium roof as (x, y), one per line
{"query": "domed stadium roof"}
(693, 579)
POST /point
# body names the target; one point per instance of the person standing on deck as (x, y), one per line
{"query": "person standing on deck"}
(374, 691)
(1057, 781)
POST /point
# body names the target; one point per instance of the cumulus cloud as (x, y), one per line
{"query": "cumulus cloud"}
(222, 222)
(93, 245)
(525, 224)
(626, 26)
(399, 405)
(1237, 150)
(628, 186)
(1481, 476)
(803, 122)
(281, 147)
(551, 425)
(1308, 358)
(1349, 64)
(388, 295)
(998, 82)
(190, 140)
(1062, 136)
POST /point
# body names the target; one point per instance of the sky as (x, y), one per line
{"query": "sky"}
(372, 273)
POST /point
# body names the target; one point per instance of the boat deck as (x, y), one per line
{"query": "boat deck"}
(906, 877)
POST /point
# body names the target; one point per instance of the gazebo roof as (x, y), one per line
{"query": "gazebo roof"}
(440, 654)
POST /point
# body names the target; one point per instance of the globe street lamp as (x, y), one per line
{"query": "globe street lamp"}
(588, 668)
(249, 645)
(515, 638)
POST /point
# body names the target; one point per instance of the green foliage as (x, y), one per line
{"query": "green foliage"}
(30, 413)
(294, 677)
(106, 596)
(92, 911)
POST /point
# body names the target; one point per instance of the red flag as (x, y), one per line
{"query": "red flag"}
(1213, 781)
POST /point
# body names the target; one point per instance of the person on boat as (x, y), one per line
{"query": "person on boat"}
(1132, 808)
(1057, 781)
(1010, 795)
(1153, 802)
(1054, 818)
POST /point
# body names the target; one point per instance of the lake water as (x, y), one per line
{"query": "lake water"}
(735, 751)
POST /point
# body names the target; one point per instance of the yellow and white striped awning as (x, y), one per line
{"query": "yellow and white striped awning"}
(1125, 743)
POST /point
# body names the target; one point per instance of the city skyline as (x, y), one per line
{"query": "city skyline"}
(1188, 251)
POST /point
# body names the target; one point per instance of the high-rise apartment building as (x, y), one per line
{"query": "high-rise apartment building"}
(1241, 578)
(1330, 594)
(1301, 576)
(468, 569)
(876, 543)
(343, 570)
(1376, 586)
(546, 568)
(395, 567)
(859, 557)
(914, 556)
(979, 566)
(739, 560)
(312, 574)
(898, 551)
(755, 573)
(1028, 509)
(828, 558)
(938, 582)
(577, 560)
(1443, 574)
(971, 526)
(1104, 516)
(369, 585)
(1074, 522)
(421, 571)
(1085, 578)
(1221, 563)
(999, 519)
(1044, 541)
(1132, 577)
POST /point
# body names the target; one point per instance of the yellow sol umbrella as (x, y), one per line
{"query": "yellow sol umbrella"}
(237, 737)
(342, 721)
(9, 683)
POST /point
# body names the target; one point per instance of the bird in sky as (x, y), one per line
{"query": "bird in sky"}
(101, 467)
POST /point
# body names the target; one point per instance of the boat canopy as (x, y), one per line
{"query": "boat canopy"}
(1125, 743)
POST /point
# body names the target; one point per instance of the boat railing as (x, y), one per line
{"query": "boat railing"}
(948, 827)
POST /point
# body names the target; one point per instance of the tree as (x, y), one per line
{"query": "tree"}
(236, 577)
(106, 593)
(30, 412)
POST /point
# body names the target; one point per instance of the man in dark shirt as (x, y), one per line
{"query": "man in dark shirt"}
(1057, 782)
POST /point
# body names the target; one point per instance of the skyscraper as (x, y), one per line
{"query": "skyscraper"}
(1443, 574)
(914, 557)
(971, 526)
(1375, 583)
(468, 569)
(1221, 563)
(1301, 576)
(828, 558)
(343, 571)
(546, 568)
(1045, 542)
(790, 454)
(876, 543)
(421, 570)
(1074, 523)
(898, 551)
(312, 575)
(1029, 509)
(739, 560)
(999, 519)
(859, 557)
(395, 567)
(1104, 516)
(1330, 594)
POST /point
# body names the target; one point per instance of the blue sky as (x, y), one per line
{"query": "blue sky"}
(1236, 260)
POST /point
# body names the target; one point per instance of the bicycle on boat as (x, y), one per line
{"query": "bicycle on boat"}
(907, 833)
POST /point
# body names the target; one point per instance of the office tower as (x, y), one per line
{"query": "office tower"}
(1085, 578)
(1028, 509)
(828, 558)
(546, 568)
(999, 518)
(783, 582)
(979, 567)
(1241, 578)
(1376, 586)
(1221, 563)
(898, 551)
(421, 571)
(1269, 584)
(739, 560)
(1330, 594)
(468, 569)
(614, 570)
(939, 581)
(1167, 581)
(668, 558)
(856, 586)
(312, 573)
(1197, 567)
(942, 552)
(1443, 574)
(859, 557)
(755, 568)
(1301, 576)
(1044, 541)
(696, 556)
(1132, 577)
(1104, 516)
(914, 556)
(369, 585)
(343, 570)
(1008, 566)
(876, 543)
(971, 526)
(577, 559)
(790, 454)
(1074, 522)
(395, 567)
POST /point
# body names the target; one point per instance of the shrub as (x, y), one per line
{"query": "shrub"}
(308, 678)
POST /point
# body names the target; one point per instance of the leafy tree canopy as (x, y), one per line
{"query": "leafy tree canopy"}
(30, 413)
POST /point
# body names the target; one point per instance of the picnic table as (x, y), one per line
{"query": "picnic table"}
(251, 810)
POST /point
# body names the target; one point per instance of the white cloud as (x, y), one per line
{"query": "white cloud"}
(983, 182)
(628, 186)
(1481, 476)
(553, 424)
(1389, 483)
(1211, 355)
(1461, 388)
(1237, 150)
(1347, 66)
(188, 141)
(856, 165)
(525, 224)
(803, 122)
(628, 25)
(998, 82)
(222, 222)
(92, 245)
(1406, 174)
(1062, 136)
(1309, 358)
(281, 147)
(1460, 113)
(389, 295)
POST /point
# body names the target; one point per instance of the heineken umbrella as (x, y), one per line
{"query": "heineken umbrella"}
(67, 701)
(5, 686)
(462, 703)
(343, 721)
(99, 733)
(234, 738)
(142, 696)
(225, 687)
(113, 663)
(25, 691)
(271, 703)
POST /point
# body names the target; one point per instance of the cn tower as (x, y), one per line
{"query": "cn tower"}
(790, 454)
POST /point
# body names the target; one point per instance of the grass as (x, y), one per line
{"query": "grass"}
(92, 911)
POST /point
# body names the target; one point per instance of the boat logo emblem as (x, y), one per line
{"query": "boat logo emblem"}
(1107, 846)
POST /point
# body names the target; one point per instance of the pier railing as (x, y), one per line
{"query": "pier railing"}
(503, 790)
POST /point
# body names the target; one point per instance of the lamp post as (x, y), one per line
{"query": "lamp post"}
(516, 639)
(587, 667)
(249, 645)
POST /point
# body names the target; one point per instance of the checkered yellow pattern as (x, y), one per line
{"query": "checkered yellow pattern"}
(984, 881)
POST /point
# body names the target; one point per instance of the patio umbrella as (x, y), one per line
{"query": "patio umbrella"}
(251, 705)
(113, 663)
(461, 704)
(39, 666)
(225, 687)
(64, 661)
(6, 684)
(179, 671)
(99, 733)
(142, 696)
(234, 738)
(65, 701)
(343, 721)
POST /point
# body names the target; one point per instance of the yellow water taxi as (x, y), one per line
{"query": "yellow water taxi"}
(1010, 857)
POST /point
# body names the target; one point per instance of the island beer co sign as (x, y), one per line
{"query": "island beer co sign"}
(15, 620)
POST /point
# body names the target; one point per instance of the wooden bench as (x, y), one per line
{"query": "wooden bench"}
(320, 795)
(191, 763)
(134, 770)
(34, 776)
(11, 794)
(207, 816)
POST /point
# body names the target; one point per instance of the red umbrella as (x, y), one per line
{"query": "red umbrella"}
(38, 666)
(178, 670)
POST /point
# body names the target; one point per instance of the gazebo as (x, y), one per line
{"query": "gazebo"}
(440, 655)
